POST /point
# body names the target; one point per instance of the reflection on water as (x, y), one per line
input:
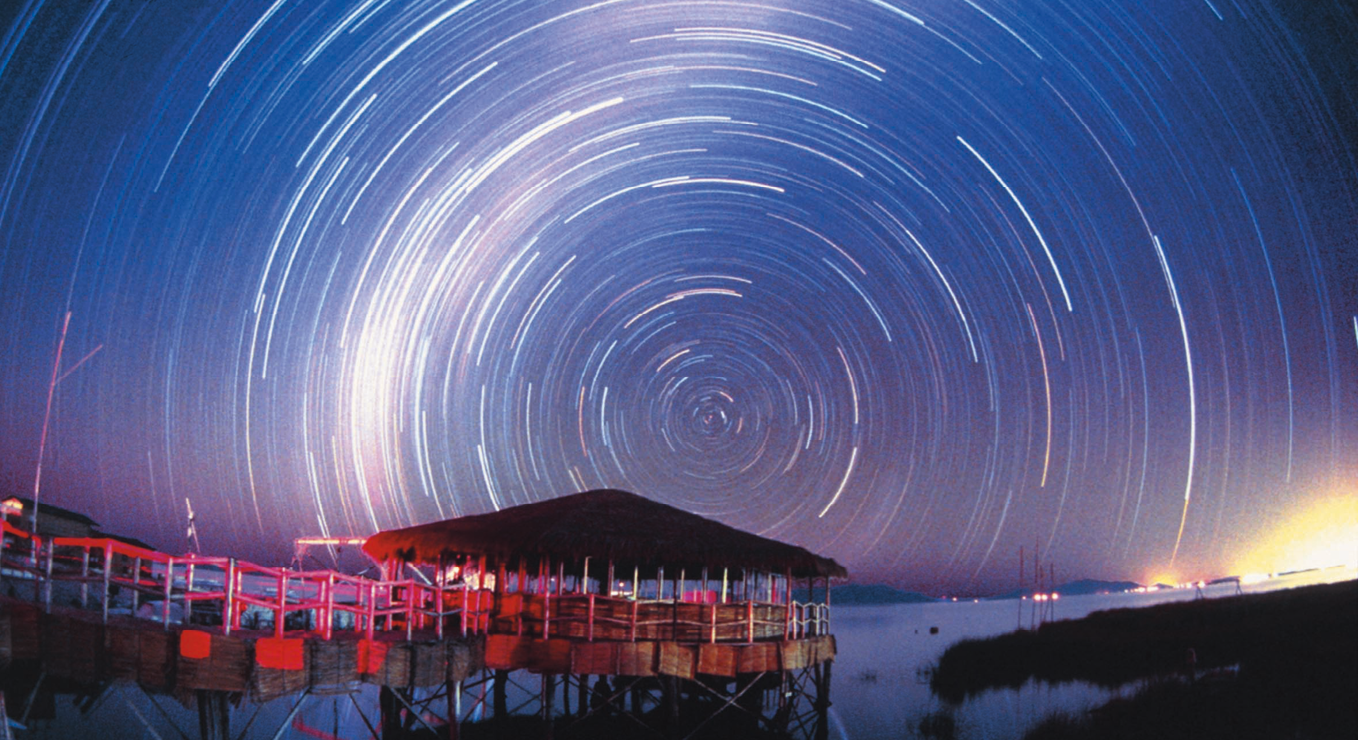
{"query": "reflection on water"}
(881, 684)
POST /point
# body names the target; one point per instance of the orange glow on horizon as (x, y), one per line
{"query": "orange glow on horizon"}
(1321, 536)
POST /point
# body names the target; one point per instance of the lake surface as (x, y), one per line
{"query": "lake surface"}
(880, 691)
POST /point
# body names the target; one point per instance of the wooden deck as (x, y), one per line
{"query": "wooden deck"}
(77, 646)
(89, 613)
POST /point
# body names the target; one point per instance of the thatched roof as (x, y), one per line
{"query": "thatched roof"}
(618, 525)
(46, 510)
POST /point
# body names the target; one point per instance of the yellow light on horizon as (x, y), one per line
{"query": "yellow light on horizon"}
(1323, 535)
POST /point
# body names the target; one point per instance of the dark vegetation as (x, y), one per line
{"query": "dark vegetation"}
(1281, 664)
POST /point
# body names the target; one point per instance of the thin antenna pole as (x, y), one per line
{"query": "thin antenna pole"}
(193, 534)
(46, 419)
(1051, 583)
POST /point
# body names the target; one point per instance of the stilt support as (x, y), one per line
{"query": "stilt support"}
(214, 715)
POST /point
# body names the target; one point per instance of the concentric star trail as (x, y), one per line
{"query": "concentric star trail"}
(908, 283)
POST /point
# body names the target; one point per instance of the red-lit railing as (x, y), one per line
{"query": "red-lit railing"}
(238, 595)
(233, 593)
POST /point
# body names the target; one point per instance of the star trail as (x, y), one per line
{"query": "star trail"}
(910, 283)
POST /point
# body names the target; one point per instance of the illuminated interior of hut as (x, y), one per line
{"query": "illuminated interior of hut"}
(611, 565)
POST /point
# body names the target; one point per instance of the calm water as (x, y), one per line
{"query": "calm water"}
(878, 691)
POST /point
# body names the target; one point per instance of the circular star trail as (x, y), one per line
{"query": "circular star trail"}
(909, 283)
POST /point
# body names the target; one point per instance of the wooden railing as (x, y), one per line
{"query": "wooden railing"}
(597, 617)
(238, 595)
(233, 593)
(808, 620)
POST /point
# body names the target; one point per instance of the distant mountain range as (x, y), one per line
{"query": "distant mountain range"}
(863, 594)
(1076, 588)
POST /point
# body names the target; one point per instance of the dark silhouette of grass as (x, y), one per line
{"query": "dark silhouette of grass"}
(938, 725)
(1236, 709)
(1296, 652)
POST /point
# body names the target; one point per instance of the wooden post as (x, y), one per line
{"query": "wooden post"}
(136, 584)
(2, 580)
(481, 586)
(34, 553)
(169, 587)
(723, 585)
(5, 734)
(589, 628)
(548, 691)
(412, 596)
(584, 579)
(236, 611)
(499, 702)
(566, 694)
(827, 605)
(749, 620)
(214, 716)
(787, 603)
(609, 591)
(389, 706)
(84, 576)
(228, 597)
(108, 569)
(440, 581)
(370, 609)
(750, 699)
(669, 692)
(282, 603)
(454, 699)
(327, 616)
(466, 604)
(822, 703)
(546, 614)
(47, 579)
(780, 718)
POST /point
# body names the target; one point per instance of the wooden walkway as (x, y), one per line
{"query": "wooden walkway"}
(97, 611)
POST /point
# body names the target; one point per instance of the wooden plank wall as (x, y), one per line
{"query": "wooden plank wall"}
(653, 657)
(70, 645)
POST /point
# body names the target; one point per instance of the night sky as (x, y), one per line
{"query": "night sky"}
(912, 283)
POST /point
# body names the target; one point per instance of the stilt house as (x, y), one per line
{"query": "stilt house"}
(612, 566)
